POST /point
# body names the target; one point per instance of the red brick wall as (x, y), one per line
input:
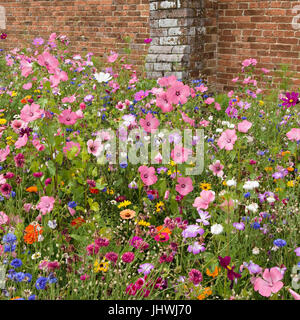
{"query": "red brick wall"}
(97, 26)
(258, 29)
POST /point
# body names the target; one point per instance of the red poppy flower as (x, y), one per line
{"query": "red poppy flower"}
(94, 190)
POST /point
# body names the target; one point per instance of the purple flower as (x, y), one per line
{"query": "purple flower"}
(290, 100)
(192, 231)
(148, 40)
(253, 268)
(88, 98)
(231, 112)
(196, 248)
(297, 251)
(141, 95)
(38, 41)
(204, 216)
(195, 276)
(239, 225)
(145, 268)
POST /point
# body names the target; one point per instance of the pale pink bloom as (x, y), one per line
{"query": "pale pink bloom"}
(158, 158)
(3, 218)
(72, 211)
(26, 68)
(47, 60)
(217, 168)
(248, 62)
(230, 94)
(184, 186)
(17, 125)
(36, 143)
(227, 206)
(94, 147)
(204, 123)
(294, 134)
(4, 153)
(57, 77)
(209, 101)
(201, 88)
(227, 139)
(31, 112)
(70, 145)
(167, 193)
(2, 179)
(21, 142)
(180, 154)
(270, 283)
(113, 57)
(178, 93)
(70, 99)
(235, 79)
(247, 80)
(27, 207)
(206, 197)
(163, 102)
(27, 86)
(244, 126)
(265, 71)
(167, 81)
(150, 123)
(217, 106)
(46, 204)
(295, 295)
(67, 117)
(187, 119)
(79, 114)
(147, 175)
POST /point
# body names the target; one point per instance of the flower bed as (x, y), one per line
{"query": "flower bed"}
(101, 198)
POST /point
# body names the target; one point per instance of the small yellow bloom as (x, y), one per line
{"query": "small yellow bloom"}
(101, 266)
(14, 93)
(172, 163)
(285, 153)
(268, 169)
(160, 206)
(290, 183)
(261, 103)
(2, 121)
(124, 204)
(205, 186)
(224, 183)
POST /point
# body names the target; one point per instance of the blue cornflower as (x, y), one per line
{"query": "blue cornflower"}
(41, 283)
(244, 118)
(9, 238)
(1, 168)
(11, 274)
(210, 140)
(255, 225)
(51, 278)
(72, 204)
(12, 194)
(16, 263)
(32, 297)
(1, 198)
(19, 276)
(247, 195)
(123, 165)
(69, 129)
(279, 243)
(28, 276)
(9, 247)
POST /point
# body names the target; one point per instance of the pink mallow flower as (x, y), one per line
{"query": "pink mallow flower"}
(147, 175)
(206, 197)
(244, 126)
(227, 140)
(4, 153)
(67, 117)
(46, 204)
(270, 283)
(150, 123)
(184, 186)
(31, 112)
(217, 168)
(180, 154)
(178, 93)
(94, 147)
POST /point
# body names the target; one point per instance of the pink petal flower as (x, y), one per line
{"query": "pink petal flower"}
(244, 126)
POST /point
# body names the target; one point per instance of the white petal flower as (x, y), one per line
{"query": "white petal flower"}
(102, 77)
(216, 229)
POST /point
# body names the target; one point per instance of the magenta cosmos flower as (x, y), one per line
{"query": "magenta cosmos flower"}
(217, 168)
(31, 112)
(184, 186)
(147, 175)
(150, 123)
(46, 204)
(227, 140)
(206, 197)
(178, 93)
(294, 134)
(290, 100)
(67, 117)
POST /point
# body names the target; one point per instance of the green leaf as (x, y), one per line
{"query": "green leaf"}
(51, 168)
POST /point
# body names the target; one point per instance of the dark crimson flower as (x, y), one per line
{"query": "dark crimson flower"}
(231, 275)
(3, 35)
(120, 198)
(25, 131)
(290, 100)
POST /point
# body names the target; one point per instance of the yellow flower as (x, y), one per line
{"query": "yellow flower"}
(224, 183)
(205, 186)
(285, 153)
(110, 191)
(125, 203)
(268, 169)
(172, 163)
(36, 91)
(160, 206)
(278, 189)
(261, 103)
(101, 266)
(143, 223)
(2, 121)
(290, 183)
(14, 93)
(207, 292)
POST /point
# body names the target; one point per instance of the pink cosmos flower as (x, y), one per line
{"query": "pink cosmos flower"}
(3, 218)
(47, 60)
(94, 147)
(46, 204)
(209, 101)
(294, 134)
(113, 57)
(36, 143)
(178, 93)
(67, 117)
(31, 112)
(58, 77)
(26, 68)
(147, 175)
(217, 168)
(184, 186)
(2, 179)
(227, 140)
(270, 283)
(180, 154)
(27, 86)
(206, 197)
(4, 153)
(27, 207)
(21, 142)
(70, 99)
(201, 88)
(217, 106)
(167, 81)
(244, 126)
(150, 123)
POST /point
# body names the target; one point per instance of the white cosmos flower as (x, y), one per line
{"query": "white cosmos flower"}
(250, 185)
(231, 183)
(255, 250)
(271, 199)
(102, 77)
(252, 207)
(216, 229)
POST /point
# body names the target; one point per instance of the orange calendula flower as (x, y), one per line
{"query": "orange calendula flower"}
(127, 214)
(214, 273)
(290, 169)
(163, 229)
(77, 222)
(32, 232)
(32, 189)
(207, 292)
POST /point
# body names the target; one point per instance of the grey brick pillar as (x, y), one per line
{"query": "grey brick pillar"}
(177, 32)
